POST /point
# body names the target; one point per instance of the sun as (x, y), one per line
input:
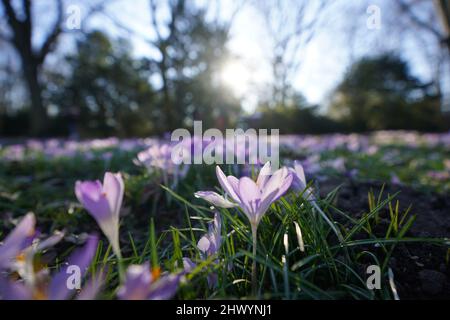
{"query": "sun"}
(236, 76)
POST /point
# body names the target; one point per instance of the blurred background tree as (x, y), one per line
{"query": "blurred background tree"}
(105, 91)
(290, 26)
(296, 115)
(380, 93)
(148, 68)
(21, 25)
(191, 55)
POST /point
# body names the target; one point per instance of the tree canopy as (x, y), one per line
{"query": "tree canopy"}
(381, 93)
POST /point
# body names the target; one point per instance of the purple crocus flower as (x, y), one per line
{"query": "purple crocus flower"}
(58, 289)
(254, 198)
(299, 181)
(103, 202)
(210, 243)
(143, 284)
(38, 288)
(215, 199)
(162, 158)
(188, 265)
(19, 239)
(14, 290)
(21, 245)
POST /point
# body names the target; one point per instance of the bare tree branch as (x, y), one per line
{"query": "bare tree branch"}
(406, 8)
(28, 16)
(54, 34)
(234, 13)
(124, 28)
(11, 15)
(153, 16)
(291, 27)
(443, 9)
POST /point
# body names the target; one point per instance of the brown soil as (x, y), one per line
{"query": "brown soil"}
(421, 270)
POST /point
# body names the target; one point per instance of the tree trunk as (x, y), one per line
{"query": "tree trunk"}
(168, 116)
(32, 60)
(38, 113)
(443, 9)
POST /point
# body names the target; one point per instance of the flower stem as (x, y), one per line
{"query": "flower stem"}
(254, 269)
(117, 251)
(121, 268)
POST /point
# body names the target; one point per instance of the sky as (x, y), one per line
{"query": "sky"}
(323, 61)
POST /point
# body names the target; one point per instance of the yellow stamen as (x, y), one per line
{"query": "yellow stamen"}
(39, 295)
(156, 273)
(40, 292)
(20, 257)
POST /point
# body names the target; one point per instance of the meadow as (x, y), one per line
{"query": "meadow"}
(140, 227)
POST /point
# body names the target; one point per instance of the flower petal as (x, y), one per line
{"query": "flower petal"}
(215, 199)
(10, 290)
(280, 180)
(81, 258)
(215, 233)
(226, 184)
(188, 265)
(91, 196)
(286, 184)
(264, 175)
(165, 288)
(137, 283)
(250, 197)
(50, 241)
(299, 180)
(234, 182)
(265, 204)
(17, 240)
(98, 203)
(203, 244)
(113, 187)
